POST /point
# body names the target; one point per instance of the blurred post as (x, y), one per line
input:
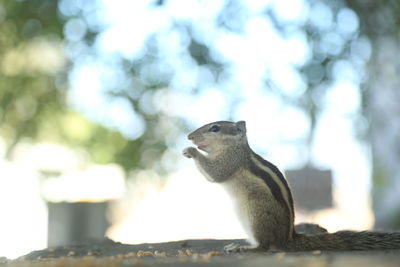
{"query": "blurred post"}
(311, 188)
(74, 223)
(78, 202)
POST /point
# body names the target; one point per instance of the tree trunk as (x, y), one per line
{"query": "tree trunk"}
(380, 21)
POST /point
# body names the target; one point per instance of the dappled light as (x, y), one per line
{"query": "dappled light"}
(40, 55)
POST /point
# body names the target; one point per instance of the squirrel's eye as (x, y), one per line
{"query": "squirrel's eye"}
(214, 128)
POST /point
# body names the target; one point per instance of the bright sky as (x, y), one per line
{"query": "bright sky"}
(271, 124)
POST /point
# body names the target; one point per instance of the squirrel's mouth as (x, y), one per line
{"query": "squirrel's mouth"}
(199, 145)
(202, 147)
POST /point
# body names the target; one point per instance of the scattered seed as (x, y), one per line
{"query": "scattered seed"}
(280, 255)
(212, 253)
(71, 253)
(316, 252)
(142, 253)
(160, 254)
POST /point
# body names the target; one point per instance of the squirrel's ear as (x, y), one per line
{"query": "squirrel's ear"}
(241, 126)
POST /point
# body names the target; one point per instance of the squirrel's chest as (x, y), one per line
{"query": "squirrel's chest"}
(245, 185)
(248, 192)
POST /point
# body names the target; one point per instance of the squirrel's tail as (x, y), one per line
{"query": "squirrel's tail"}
(346, 240)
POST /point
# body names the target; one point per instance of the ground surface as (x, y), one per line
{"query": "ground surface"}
(195, 253)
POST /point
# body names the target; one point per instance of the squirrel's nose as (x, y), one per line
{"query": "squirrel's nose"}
(190, 137)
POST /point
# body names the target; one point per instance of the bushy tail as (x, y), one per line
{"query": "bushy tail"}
(346, 240)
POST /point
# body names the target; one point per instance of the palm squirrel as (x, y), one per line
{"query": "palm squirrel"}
(262, 197)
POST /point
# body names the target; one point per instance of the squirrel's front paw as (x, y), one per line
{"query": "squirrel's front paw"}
(190, 152)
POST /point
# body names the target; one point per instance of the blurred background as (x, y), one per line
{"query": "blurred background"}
(97, 97)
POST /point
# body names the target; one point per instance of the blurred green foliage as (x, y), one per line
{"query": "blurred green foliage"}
(33, 89)
(29, 93)
(35, 67)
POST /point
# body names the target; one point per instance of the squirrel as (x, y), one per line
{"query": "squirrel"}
(262, 198)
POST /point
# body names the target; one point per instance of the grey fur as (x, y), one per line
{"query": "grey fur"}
(346, 240)
(228, 162)
(265, 213)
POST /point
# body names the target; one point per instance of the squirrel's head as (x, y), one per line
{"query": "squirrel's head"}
(219, 135)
